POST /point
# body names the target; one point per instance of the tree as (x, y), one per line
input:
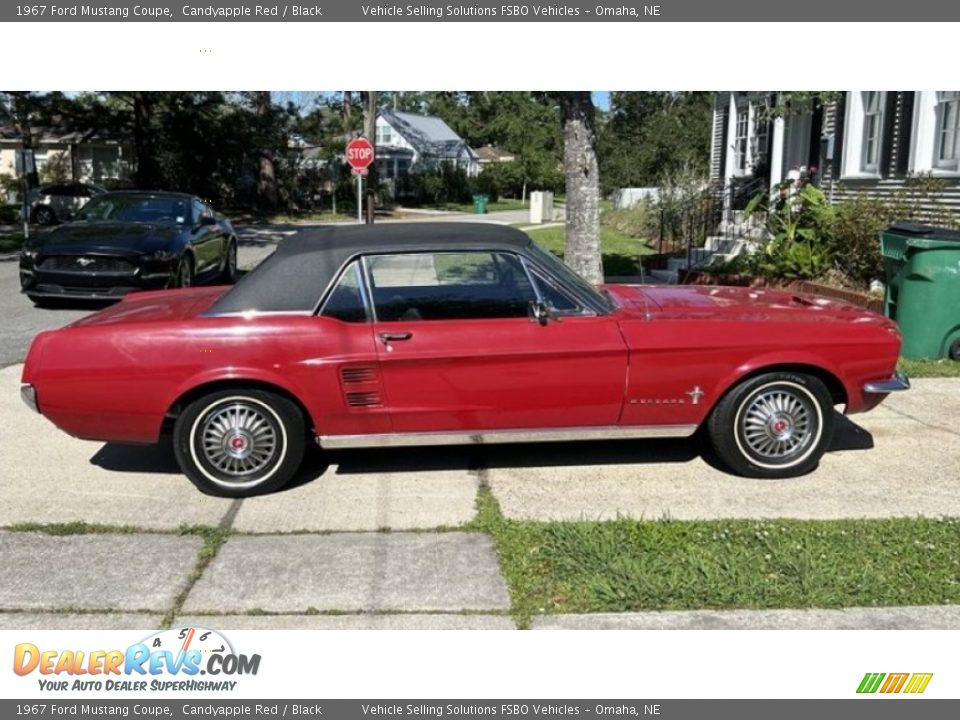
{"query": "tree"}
(267, 196)
(648, 137)
(582, 247)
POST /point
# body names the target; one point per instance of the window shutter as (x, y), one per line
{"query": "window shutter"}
(889, 139)
(836, 166)
(904, 131)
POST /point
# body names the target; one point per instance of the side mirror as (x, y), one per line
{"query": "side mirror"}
(208, 220)
(541, 312)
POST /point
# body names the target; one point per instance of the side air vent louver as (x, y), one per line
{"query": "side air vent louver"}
(363, 399)
(358, 374)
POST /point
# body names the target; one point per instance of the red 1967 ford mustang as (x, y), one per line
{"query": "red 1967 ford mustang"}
(430, 334)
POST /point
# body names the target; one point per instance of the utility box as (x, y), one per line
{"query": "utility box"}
(541, 207)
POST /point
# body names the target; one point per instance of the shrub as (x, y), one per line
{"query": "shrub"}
(641, 221)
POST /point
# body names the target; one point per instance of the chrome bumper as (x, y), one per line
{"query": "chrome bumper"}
(29, 395)
(898, 383)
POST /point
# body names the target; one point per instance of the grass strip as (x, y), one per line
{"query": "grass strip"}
(930, 368)
(637, 565)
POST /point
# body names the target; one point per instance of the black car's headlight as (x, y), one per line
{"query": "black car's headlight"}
(29, 254)
(163, 255)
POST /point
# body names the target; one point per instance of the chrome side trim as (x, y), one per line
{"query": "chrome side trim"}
(494, 437)
(29, 395)
(898, 383)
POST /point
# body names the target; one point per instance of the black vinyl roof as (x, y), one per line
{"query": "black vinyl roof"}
(294, 277)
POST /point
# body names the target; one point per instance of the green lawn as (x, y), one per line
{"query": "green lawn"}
(930, 368)
(620, 252)
(631, 565)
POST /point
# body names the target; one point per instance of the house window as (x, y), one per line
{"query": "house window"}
(384, 134)
(872, 131)
(740, 139)
(948, 130)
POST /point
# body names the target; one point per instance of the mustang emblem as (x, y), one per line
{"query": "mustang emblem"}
(695, 394)
(83, 262)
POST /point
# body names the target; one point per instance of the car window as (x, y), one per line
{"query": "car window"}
(449, 286)
(197, 211)
(131, 207)
(555, 297)
(346, 301)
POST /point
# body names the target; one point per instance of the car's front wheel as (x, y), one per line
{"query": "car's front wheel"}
(238, 443)
(230, 264)
(185, 273)
(775, 425)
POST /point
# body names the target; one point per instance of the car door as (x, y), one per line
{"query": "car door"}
(206, 238)
(459, 350)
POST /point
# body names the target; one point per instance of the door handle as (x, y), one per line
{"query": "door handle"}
(388, 337)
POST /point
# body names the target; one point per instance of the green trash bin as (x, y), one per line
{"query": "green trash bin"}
(923, 288)
(480, 204)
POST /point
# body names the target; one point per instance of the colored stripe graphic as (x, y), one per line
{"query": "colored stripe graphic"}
(870, 682)
(894, 683)
(918, 682)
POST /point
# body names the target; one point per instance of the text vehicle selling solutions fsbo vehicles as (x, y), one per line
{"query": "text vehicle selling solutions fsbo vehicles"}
(430, 334)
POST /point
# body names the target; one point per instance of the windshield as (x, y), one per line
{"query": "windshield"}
(555, 265)
(135, 208)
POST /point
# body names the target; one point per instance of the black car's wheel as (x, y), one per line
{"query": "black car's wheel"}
(775, 425)
(230, 263)
(185, 272)
(238, 443)
(44, 215)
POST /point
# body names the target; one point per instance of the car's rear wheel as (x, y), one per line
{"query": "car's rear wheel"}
(43, 215)
(775, 425)
(238, 443)
(185, 273)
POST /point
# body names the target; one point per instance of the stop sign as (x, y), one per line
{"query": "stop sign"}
(359, 153)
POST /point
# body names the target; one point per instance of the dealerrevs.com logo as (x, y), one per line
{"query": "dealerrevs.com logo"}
(170, 660)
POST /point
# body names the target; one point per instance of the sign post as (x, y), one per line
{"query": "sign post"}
(359, 155)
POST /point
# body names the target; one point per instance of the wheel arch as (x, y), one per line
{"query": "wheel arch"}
(828, 377)
(215, 385)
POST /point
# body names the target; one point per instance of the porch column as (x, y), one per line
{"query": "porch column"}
(776, 153)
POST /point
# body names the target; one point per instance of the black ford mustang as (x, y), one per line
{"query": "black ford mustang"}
(130, 240)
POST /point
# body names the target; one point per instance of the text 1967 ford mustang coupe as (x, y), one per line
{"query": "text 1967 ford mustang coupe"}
(430, 334)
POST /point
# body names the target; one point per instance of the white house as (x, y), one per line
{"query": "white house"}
(406, 142)
(856, 141)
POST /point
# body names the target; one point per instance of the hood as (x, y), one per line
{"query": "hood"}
(158, 306)
(106, 237)
(726, 302)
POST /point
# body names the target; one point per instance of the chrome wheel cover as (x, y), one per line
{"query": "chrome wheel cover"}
(779, 425)
(238, 440)
(232, 260)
